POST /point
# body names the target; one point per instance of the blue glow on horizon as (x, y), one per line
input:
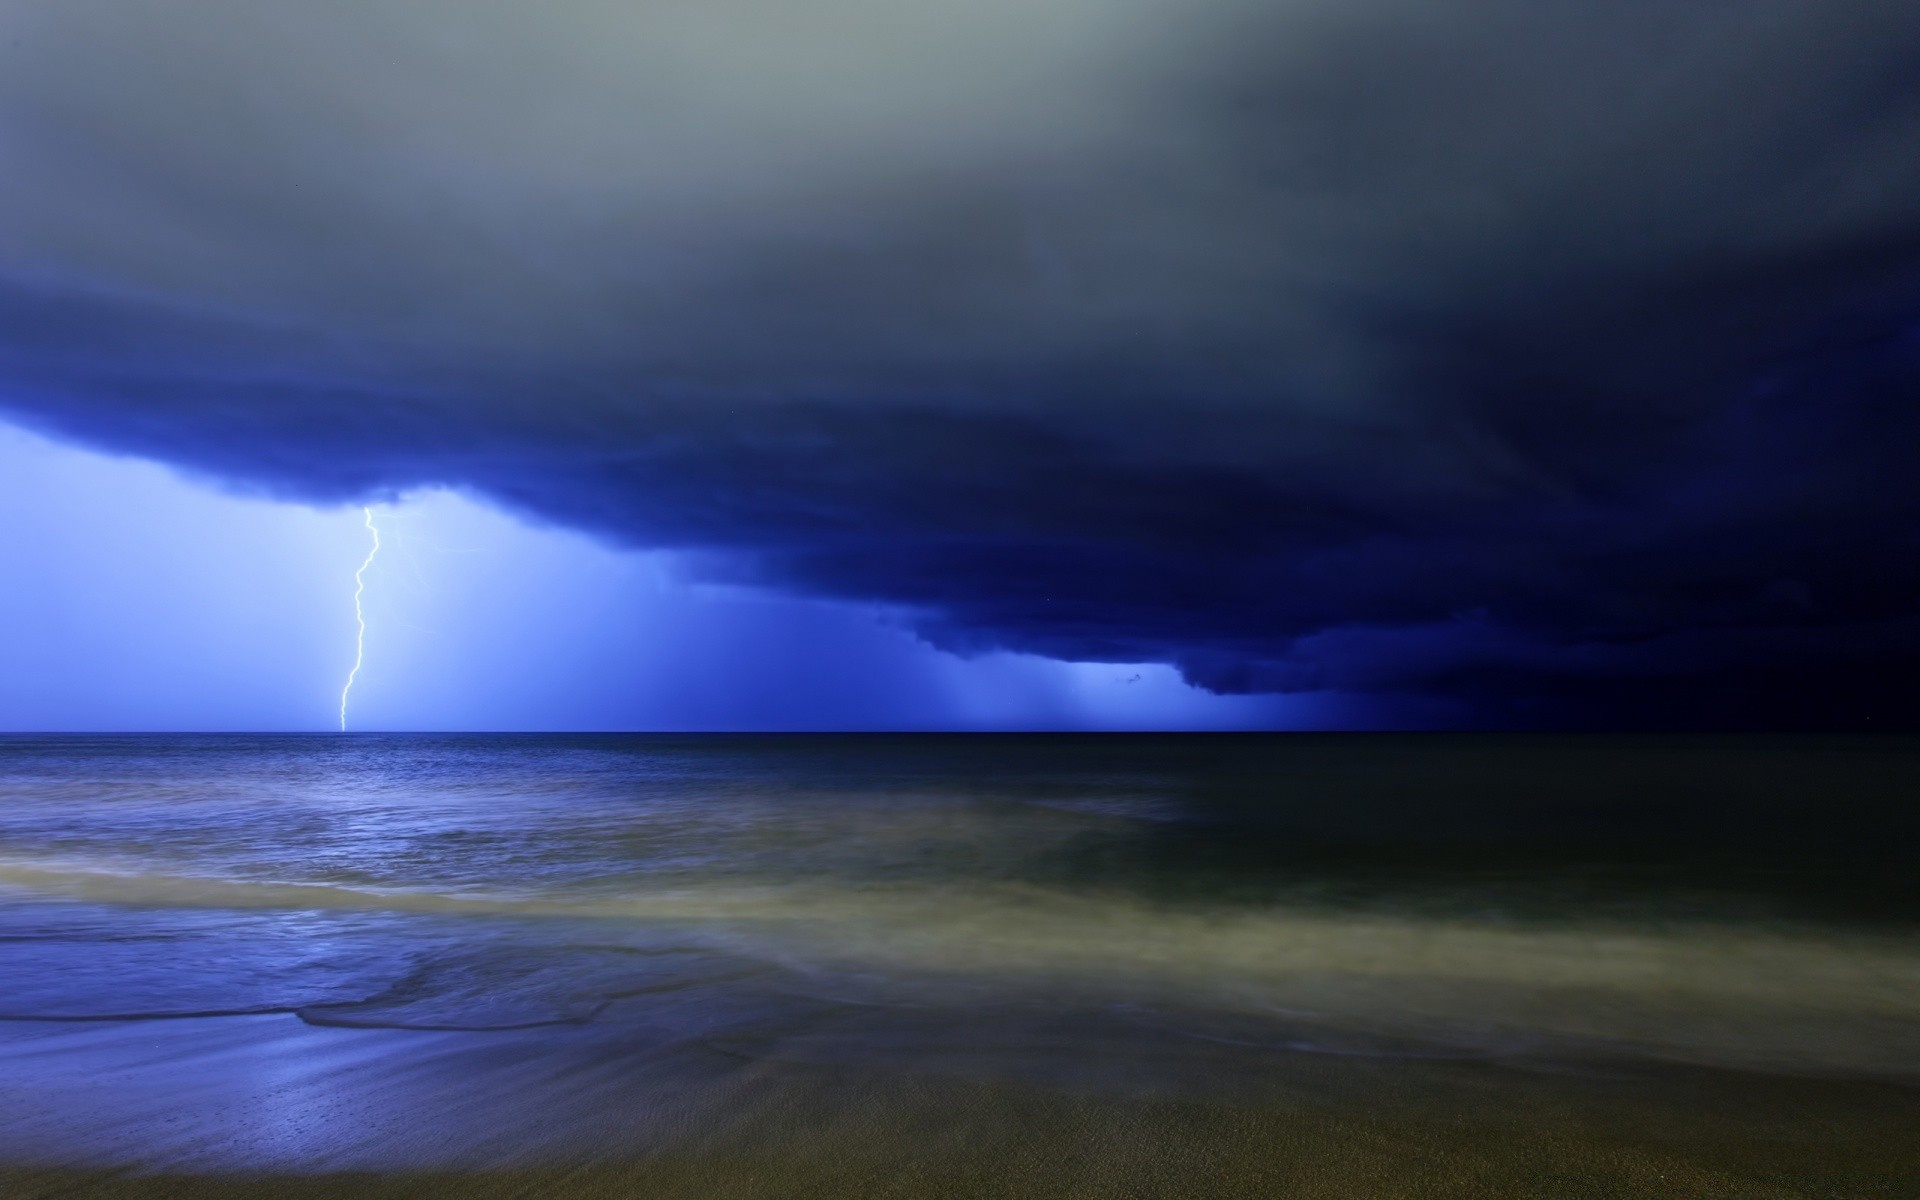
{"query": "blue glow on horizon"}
(163, 603)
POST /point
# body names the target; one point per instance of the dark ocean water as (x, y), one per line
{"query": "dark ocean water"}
(1125, 913)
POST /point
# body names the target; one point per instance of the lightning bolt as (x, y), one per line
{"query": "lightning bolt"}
(359, 616)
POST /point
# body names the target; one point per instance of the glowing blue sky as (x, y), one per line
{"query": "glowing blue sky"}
(144, 600)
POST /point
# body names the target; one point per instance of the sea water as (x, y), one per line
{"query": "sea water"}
(1183, 915)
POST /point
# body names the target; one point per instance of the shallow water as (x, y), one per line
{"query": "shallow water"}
(1163, 916)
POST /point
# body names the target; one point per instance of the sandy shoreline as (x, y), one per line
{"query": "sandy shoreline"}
(1175, 1153)
(240, 1107)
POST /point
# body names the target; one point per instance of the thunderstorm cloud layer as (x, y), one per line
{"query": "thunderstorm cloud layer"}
(1549, 363)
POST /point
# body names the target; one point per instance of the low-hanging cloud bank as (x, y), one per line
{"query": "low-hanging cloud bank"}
(1557, 361)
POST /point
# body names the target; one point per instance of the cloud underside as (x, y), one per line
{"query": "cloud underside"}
(1554, 362)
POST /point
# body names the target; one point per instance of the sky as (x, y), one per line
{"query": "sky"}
(854, 364)
(149, 601)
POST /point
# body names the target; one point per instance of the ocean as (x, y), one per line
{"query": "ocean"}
(1671, 957)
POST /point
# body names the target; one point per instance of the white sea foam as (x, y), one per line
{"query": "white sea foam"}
(1802, 999)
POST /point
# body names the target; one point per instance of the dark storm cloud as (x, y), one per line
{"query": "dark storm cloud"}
(1557, 360)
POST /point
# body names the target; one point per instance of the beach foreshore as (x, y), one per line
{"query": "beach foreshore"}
(1173, 1153)
(265, 1106)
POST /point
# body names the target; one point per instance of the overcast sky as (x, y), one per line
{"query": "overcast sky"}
(1501, 362)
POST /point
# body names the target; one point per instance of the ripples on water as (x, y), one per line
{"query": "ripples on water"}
(1166, 907)
(1519, 889)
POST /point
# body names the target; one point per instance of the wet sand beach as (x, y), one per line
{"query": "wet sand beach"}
(251, 1106)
